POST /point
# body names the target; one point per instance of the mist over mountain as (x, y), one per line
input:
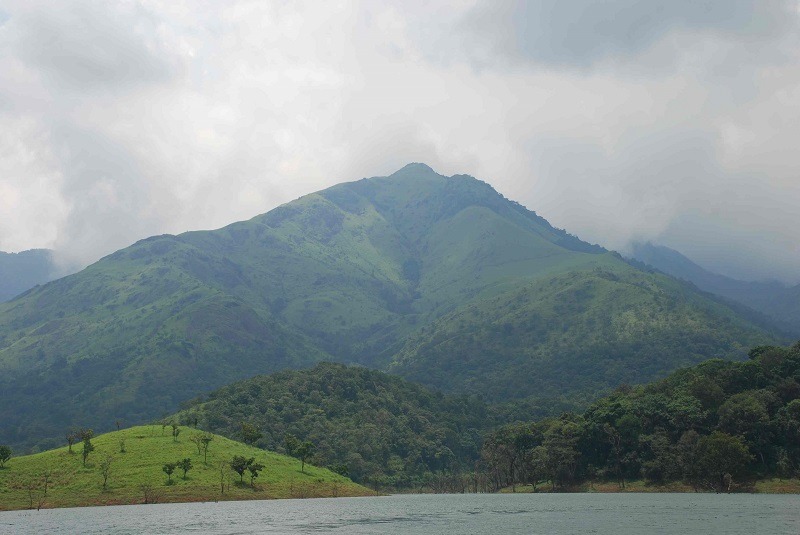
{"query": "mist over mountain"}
(772, 298)
(24, 270)
(438, 279)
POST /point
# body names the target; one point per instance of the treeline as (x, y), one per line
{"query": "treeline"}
(375, 428)
(716, 426)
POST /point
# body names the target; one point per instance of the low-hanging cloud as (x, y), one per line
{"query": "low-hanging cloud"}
(620, 120)
(582, 33)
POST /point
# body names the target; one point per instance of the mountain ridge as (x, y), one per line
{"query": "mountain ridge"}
(355, 274)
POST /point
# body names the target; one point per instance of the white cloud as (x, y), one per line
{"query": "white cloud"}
(131, 118)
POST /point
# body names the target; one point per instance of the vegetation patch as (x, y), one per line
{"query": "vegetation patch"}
(148, 464)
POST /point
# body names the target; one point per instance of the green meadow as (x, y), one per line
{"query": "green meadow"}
(57, 478)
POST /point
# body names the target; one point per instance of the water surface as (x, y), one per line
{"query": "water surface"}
(467, 514)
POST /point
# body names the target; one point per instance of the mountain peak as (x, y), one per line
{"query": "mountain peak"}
(415, 168)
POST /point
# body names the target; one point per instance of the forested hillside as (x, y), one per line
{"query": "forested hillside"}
(716, 426)
(376, 428)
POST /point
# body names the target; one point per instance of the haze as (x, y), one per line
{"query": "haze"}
(668, 121)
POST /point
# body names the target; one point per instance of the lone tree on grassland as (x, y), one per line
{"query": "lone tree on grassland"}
(105, 469)
(197, 440)
(201, 442)
(254, 469)
(239, 464)
(5, 455)
(168, 469)
(206, 440)
(304, 452)
(185, 465)
(88, 447)
(71, 436)
(301, 450)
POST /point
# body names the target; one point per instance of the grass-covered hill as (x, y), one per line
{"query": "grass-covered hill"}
(432, 276)
(716, 426)
(382, 429)
(57, 478)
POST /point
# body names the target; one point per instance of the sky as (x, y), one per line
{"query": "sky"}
(619, 120)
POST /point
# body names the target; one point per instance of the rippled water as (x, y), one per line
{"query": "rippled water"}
(550, 514)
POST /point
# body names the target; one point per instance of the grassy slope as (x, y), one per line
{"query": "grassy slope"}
(146, 452)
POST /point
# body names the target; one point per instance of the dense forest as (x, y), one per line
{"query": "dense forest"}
(716, 426)
(375, 428)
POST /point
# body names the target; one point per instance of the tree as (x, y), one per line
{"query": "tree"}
(721, 458)
(746, 415)
(149, 493)
(304, 452)
(71, 436)
(206, 440)
(250, 433)
(254, 469)
(185, 465)
(224, 476)
(5, 455)
(88, 447)
(168, 469)
(537, 464)
(197, 440)
(175, 432)
(239, 464)
(105, 469)
(46, 481)
(291, 443)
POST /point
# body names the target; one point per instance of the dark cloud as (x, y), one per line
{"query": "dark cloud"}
(580, 33)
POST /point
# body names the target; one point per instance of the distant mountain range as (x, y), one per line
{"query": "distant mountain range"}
(776, 300)
(24, 270)
(438, 279)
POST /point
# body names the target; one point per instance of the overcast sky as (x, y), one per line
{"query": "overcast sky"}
(665, 120)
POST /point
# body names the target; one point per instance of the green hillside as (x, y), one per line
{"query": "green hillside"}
(137, 475)
(383, 429)
(777, 302)
(373, 272)
(579, 332)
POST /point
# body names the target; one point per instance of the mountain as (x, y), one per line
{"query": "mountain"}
(136, 457)
(382, 428)
(771, 298)
(439, 279)
(24, 270)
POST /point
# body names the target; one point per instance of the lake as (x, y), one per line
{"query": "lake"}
(467, 514)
